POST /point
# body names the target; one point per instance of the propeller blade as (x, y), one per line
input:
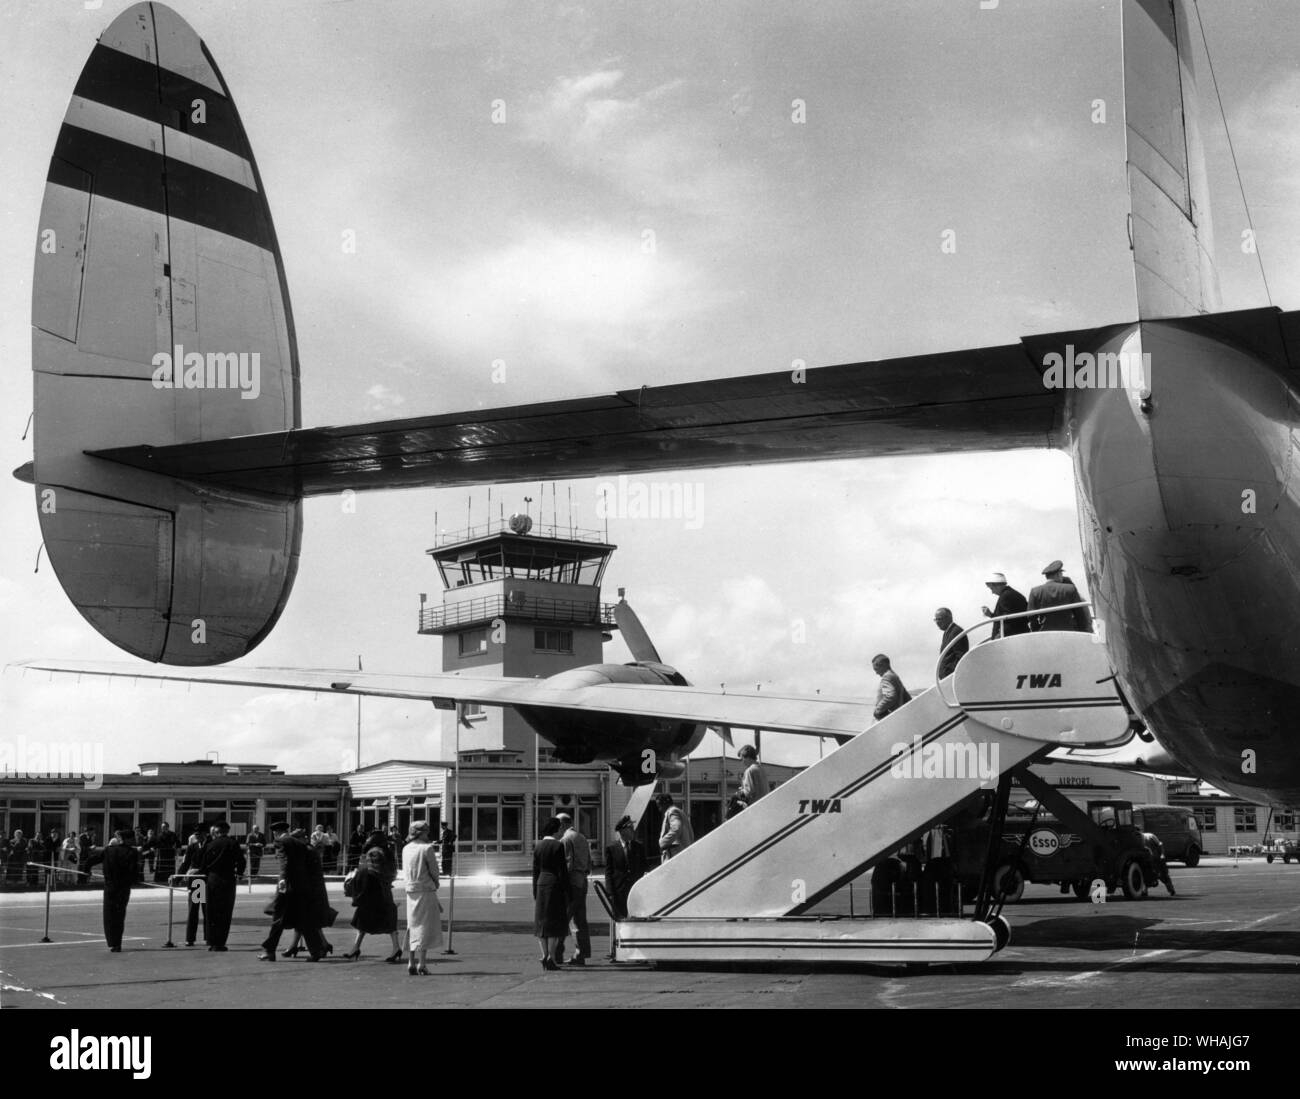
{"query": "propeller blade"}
(637, 640)
(724, 731)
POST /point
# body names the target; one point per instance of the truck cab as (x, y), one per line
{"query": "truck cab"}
(1069, 847)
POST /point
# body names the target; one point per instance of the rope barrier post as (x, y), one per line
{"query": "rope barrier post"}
(46, 937)
(171, 901)
(451, 908)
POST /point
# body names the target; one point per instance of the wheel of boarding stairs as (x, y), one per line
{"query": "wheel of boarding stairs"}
(1009, 878)
(1001, 932)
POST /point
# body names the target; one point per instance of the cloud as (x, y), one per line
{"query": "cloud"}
(573, 299)
(382, 398)
(662, 146)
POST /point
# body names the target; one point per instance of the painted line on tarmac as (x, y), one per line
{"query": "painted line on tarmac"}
(93, 940)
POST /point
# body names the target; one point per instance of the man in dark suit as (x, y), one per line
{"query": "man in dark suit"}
(624, 866)
(256, 844)
(1009, 601)
(1059, 590)
(295, 903)
(951, 631)
(222, 863)
(165, 867)
(121, 867)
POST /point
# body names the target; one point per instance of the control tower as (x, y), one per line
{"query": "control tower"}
(519, 599)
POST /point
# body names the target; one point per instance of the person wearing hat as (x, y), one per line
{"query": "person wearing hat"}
(1058, 591)
(296, 904)
(951, 633)
(624, 867)
(423, 913)
(222, 864)
(1009, 601)
(753, 783)
(675, 835)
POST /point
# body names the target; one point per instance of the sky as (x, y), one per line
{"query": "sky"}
(646, 209)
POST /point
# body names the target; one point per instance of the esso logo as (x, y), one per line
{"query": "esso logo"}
(1044, 842)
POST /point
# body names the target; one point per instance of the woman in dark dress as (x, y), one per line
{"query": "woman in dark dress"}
(376, 912)
(550, 893)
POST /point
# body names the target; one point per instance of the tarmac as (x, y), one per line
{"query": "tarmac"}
(1229, 939)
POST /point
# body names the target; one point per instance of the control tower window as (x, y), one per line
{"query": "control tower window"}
(472, 642)
(553, 641)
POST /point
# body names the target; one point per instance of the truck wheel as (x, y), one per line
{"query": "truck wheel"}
(1082, 888)
(1009, 880)
(1132, 880)
(1192, 857)
(1269, 858)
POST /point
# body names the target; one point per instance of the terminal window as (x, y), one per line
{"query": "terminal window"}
(1243, 818)
(1207, 818)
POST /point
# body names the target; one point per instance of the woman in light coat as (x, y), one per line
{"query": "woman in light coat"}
(423, 914)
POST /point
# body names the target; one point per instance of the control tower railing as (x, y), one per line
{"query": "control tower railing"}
(516, 606)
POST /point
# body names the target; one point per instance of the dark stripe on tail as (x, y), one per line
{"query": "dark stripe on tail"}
(142, 88)
(128, 173)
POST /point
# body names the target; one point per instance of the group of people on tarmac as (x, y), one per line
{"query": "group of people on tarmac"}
(1050, 606)
(562, 865)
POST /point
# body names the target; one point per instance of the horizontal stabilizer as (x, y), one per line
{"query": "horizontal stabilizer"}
(989, 398)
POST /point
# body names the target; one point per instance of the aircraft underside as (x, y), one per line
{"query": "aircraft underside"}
(1192, 543)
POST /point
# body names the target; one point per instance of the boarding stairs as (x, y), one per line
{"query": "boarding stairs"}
(740, 892)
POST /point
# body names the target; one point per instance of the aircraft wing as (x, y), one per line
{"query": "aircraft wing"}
(989, 398)
(800, 715)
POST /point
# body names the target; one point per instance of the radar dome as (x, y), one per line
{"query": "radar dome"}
(521, 524)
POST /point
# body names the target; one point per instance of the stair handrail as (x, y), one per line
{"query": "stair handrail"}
(938, 685)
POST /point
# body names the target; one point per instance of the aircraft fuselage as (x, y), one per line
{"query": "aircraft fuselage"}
(1191, 532)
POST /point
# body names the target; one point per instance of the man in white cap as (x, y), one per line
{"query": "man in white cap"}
(1058, 592)
(1009, 601)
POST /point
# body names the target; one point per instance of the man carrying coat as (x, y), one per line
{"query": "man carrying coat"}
(295, 903)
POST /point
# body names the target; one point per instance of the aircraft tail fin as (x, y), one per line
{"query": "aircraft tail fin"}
(159, 310)
(1170, 232)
